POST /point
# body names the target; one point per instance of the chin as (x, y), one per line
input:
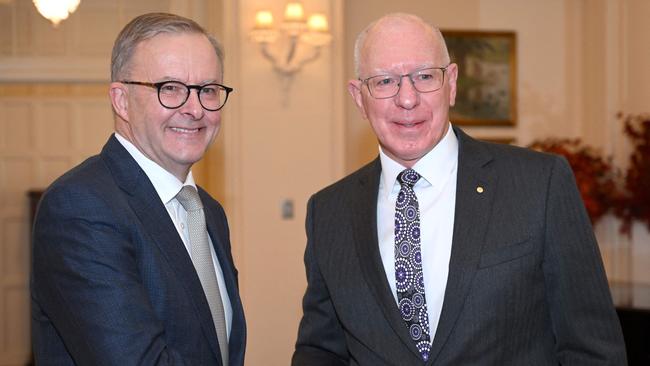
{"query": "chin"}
(190, 158)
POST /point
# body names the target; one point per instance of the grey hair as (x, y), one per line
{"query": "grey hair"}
(147, 26)
(361, 38)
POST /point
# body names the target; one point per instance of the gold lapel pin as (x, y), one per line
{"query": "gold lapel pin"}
(479, 189)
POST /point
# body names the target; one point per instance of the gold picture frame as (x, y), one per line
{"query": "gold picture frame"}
(487, 77)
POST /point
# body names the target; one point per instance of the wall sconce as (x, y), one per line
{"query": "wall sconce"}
(56, 10)
(314, 32)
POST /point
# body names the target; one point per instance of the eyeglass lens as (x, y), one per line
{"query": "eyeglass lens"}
(174, 94)
(424, 81)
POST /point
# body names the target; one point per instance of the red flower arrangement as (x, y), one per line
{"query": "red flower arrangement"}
(594, 175)
(634, 203)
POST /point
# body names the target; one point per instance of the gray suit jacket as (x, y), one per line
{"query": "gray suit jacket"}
(526, 283)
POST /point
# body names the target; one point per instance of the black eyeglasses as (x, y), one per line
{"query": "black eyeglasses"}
(423, 80)
(173, 94)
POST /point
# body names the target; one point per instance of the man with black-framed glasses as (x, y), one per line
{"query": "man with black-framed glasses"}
(131, 259)
(446, 250)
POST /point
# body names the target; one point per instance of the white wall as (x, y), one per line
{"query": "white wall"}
(635, 44)
(282, 144)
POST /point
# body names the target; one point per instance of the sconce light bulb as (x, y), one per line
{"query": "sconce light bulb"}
(294, 12)
(317, 23)
(263, 19)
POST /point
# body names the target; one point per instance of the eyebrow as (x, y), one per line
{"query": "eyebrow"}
(418, 67)
(210, 81)
(204, 82)
(170, 78)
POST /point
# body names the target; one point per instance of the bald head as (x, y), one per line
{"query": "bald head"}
(390, 28)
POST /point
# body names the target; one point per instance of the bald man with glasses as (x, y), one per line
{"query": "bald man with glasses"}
(446, 250)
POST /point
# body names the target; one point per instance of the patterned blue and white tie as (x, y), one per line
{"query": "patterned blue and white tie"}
(408, 263)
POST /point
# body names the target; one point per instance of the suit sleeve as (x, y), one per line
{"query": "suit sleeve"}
(321, 341)
(86, 282)
(585, 323)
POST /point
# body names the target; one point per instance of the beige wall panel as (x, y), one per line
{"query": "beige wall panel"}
(17, 174)
(16, 126)
(89, 32)
(53, 128)
(130, 9)
(35, 35)
(15, 255)
(47, 40)
(6, 30)
(594, 73)
(39, 91)
(638, 59)
(16, 335)
(98, 16)
(24, 28)
(94, 125)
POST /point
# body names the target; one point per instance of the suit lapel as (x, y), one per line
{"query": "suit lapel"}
(476, 184)
(367, 244)
(156, 222)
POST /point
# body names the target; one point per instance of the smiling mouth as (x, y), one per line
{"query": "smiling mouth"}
(185, 130)
(407, 124)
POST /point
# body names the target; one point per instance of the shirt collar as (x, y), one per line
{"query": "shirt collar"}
(434, 167)
(165, 183)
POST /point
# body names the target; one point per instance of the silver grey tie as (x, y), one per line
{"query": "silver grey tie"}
(202, 259)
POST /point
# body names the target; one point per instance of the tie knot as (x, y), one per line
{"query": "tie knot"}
(408, 177)
(189, 198)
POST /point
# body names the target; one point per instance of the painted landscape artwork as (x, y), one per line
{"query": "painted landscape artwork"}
(486, 77)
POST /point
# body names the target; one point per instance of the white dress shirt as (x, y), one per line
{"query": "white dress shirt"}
(436, 194)
(167, 186)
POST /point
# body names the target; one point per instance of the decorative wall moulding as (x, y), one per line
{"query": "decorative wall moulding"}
(20, 69)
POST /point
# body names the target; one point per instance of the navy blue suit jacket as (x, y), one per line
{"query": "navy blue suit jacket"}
(112, 282)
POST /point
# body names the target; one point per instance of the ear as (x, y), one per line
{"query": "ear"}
(354, 88)
(120, 99)
(452, 76)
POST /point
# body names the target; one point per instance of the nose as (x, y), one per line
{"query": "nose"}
(192, 106)
(407, 96)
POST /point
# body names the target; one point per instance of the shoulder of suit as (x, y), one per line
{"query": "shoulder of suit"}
(514, 162)
(89, 172)
(507, 152)
(499, 150)
(87, 190)
(363, 174)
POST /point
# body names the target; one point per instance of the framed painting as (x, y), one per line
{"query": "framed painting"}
(487, 77)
